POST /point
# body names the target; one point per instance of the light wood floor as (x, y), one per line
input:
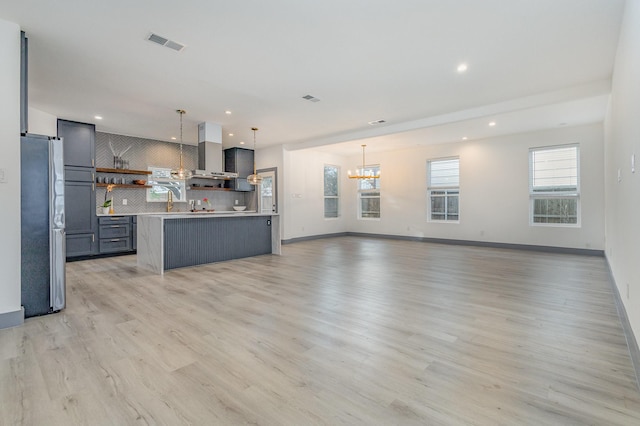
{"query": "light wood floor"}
(335, 331)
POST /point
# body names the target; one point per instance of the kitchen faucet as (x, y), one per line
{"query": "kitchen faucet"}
(169, 201)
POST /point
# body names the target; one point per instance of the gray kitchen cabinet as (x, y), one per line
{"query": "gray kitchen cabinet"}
(80, 211)
(79, 143)
(240, 161)
(134, 233)
(115, 234)
(79, 206)
(196, 241)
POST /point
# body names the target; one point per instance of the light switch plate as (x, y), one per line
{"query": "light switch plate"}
(124, 201)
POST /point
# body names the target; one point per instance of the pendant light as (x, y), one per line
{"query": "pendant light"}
(254, 179)
(181, 173)
(363, 173)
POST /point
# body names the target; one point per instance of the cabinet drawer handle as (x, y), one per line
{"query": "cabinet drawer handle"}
(115, 226)
(115, 241)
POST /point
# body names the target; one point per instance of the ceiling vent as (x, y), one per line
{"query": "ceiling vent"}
(311, 98)
(373, 123)
(165, 42)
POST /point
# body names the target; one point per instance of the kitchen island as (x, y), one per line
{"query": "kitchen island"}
(175, 240)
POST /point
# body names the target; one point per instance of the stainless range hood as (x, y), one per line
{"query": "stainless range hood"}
(210, 153)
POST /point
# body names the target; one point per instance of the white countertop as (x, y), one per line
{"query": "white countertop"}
(183, 215)
(192, 214)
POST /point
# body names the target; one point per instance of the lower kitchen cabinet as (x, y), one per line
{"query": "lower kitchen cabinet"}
(80, 245)
(80, 211)
(115, 233)
(134, 232)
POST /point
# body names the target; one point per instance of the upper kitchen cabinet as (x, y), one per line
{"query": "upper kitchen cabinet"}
(240, 161)
(79, 143)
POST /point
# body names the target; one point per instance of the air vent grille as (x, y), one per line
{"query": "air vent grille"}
(373, 123)
(174, 45)
(311, 98)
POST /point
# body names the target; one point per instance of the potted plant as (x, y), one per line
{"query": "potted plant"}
(106, 206)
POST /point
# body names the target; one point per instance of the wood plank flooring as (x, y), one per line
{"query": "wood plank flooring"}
(336, 331)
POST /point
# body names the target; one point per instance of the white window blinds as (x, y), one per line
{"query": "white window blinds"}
(554, 170)
(444, 173)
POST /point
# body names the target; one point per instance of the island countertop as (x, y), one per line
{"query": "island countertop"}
(179, 239)
(190, 214)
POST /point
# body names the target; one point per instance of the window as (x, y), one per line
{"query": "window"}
(444, 189)
(554, 187)
(161, 183)
(369, 194)
(331, 191)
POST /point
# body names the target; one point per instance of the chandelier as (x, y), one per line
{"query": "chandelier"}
(254, 179)
(363, 173)
(181, 173)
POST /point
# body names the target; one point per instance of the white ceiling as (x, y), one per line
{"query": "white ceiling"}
(533, 64)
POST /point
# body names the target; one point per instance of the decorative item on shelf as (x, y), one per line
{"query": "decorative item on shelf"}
(139, 182)
(363, 173)
(181, 173)
(107, 206)
(254, 179)
(118, 162)
(206, 200)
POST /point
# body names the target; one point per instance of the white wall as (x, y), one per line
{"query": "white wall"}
(623, 140)
(10, 164)
(42, 123)
(304, 195)
(494, 191)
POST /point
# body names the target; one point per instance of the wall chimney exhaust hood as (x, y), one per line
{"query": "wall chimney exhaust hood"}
(210, 153)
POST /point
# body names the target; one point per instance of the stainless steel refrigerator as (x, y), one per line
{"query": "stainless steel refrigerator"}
(43, 221)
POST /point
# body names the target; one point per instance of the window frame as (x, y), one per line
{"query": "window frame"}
(557, 193)
(324, 192)
(370, 193)
(455, 192)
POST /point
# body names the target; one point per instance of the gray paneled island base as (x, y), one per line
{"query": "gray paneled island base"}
(169, 241)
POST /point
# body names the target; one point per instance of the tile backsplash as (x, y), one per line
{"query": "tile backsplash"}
(147, 152)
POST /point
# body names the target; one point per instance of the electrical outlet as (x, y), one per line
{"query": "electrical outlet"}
(3, 178)
(236, 202)
(124, 201)
(199, 202)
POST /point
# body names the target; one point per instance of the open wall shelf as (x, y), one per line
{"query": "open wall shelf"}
(123, 171)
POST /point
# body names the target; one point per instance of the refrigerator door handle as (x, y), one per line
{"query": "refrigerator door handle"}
(58, 273)
(57, 238)
(56, 190)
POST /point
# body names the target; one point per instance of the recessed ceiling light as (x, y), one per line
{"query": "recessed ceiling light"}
(230, 134)
(241, 143)
(492, 123)
(464, 138)
(97, 117)
(227, 112)
(462, 68)
(173, 138)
